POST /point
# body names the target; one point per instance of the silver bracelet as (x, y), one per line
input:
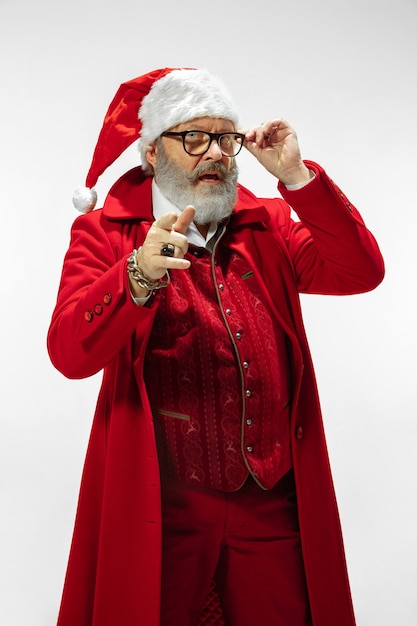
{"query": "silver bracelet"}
(144, 282)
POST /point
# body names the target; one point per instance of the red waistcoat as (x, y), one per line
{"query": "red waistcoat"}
(216, 371)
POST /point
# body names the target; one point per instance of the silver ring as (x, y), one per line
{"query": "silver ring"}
(167, 249)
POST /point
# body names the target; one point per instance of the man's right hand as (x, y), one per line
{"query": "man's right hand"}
(168, 229)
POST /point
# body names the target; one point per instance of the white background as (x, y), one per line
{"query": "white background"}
(344, 74)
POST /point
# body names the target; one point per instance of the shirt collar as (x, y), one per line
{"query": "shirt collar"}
(162, 205)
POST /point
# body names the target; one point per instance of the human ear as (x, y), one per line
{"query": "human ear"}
(151, 155)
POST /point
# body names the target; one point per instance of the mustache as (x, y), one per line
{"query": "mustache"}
(205, 167)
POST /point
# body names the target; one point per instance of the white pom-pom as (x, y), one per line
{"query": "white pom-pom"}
(84, 199)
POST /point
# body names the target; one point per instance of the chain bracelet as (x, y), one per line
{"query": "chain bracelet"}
(144, 282)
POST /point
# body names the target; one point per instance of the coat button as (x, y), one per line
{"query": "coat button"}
(299, 432)
(98, 309)
(107, 298)
(88, 316)
(249, 421)
(249, 448)
(228, 312)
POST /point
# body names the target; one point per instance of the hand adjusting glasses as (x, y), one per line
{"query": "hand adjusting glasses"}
(197, 142)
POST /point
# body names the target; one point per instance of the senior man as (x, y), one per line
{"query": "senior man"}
(207, 480)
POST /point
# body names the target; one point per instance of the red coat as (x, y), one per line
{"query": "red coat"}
(113, 574)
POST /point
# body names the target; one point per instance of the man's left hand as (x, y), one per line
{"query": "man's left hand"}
(275, 145)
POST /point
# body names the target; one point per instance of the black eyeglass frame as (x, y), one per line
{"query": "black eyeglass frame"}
(213, 137)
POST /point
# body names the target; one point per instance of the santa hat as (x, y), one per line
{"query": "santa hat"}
(147, 106)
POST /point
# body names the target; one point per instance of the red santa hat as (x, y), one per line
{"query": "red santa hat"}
(147, 106)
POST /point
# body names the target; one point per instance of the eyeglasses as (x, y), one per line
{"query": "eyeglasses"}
(197, 142)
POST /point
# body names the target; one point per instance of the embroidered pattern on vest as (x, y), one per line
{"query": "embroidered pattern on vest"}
(217, 377)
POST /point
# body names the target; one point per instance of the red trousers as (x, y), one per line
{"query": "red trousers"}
(247, 540)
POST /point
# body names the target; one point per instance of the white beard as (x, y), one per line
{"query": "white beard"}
(213, 203)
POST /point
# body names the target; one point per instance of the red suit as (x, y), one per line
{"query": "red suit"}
(113, 573)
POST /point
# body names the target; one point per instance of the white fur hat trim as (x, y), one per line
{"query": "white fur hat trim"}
(180, 96)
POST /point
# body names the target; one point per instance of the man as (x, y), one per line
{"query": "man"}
(207, 477)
